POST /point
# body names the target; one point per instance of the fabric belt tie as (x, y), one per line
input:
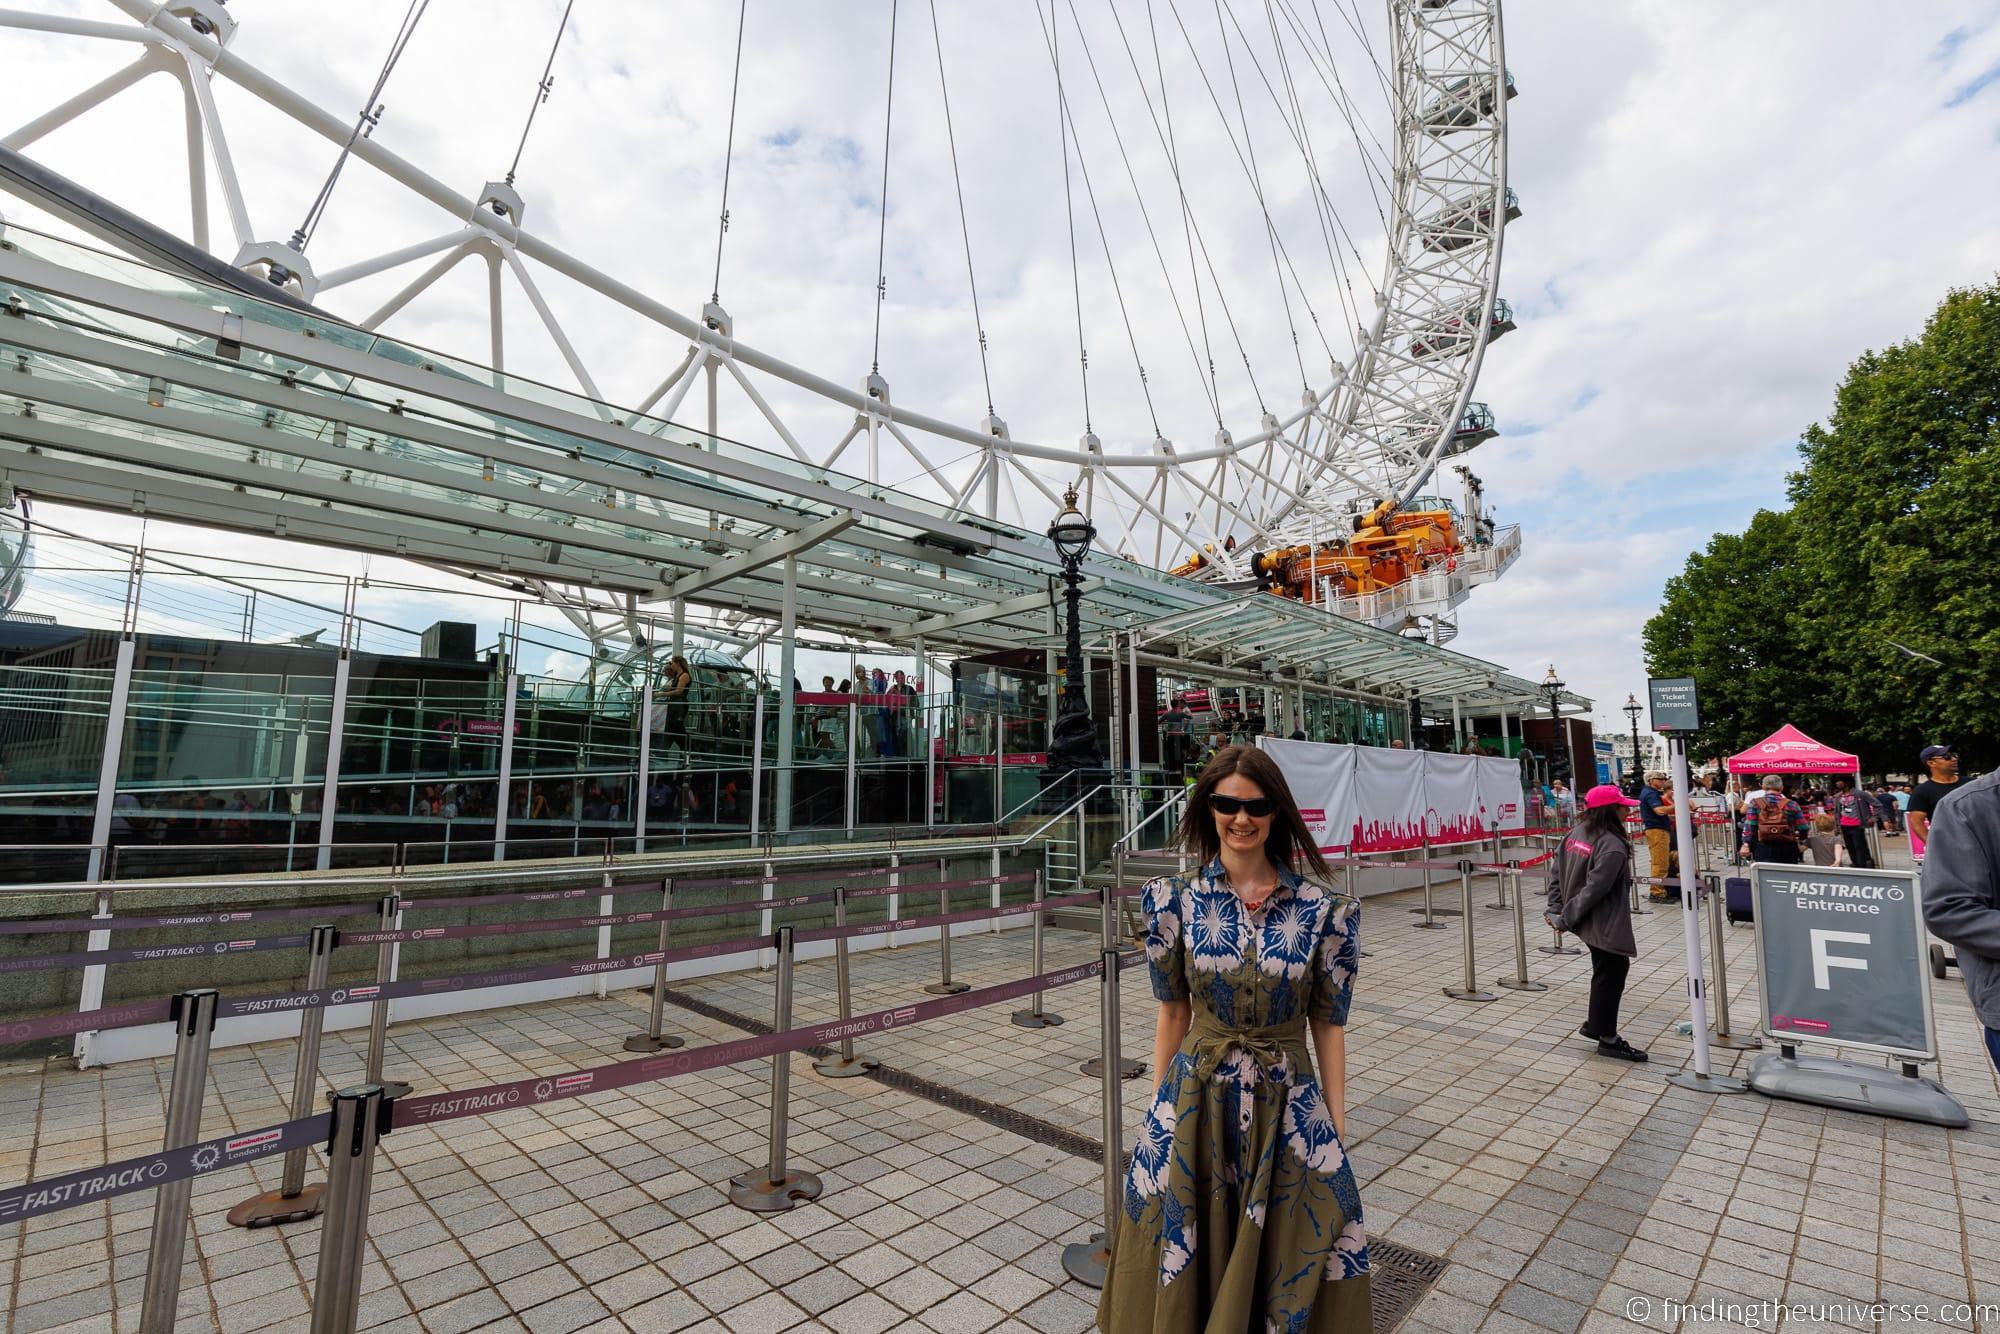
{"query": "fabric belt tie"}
(1209, 1041)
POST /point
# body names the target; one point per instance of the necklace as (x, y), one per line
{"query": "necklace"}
(1253, 904)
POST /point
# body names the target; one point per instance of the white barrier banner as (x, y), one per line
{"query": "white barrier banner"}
(1389, 801)
(1453, 812)
(1499, 792)
(1321, 776)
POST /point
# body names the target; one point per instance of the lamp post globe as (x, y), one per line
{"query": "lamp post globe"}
(1632, 710)
(1073, 743)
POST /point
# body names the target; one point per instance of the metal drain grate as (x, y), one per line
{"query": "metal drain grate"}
(1401, 1276)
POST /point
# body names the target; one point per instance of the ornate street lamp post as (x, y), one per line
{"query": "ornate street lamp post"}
(1632, 710)
(1559, 756)
(1074, 743)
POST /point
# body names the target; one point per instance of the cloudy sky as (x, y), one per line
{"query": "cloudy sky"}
(1724, 205)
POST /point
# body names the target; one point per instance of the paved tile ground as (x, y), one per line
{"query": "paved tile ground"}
(1567, 1192)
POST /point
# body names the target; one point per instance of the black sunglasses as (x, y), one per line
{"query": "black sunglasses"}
(1255, 807)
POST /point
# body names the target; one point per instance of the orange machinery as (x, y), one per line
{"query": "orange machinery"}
(1387, 546)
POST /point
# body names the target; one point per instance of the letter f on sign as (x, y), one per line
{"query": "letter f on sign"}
(1822, 961)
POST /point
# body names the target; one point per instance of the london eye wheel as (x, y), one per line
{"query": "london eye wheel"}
(1276, 223)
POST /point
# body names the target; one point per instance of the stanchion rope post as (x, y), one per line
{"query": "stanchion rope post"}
(844, 1064)
(193, 1014)
(360, 1117)
(391, 907)
(944, 986)
(1717, 935)
(1108, 894)
(1430, 922)
(1470, 991)
(1035, 1016)
(774, 1187)
(1087, 1261)
(1499, 872)
(1520, 981)
(294, 1201)
(653, 1039)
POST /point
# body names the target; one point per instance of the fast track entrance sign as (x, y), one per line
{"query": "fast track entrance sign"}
(1842, 962)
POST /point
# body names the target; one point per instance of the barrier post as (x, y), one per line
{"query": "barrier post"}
(391, 907)
(1430, 923)
(1639, 908)
(944, 986)
(360, 1115)
(1087, 1261)
(1035, 1016)
(1470, 991)
(1108, 895)
(846, 1064)
(294, 1201)
(653, 1039)
(1499, 873)
(1520, 981)
(193, 1014)
(1717, 932)
(774, 1188)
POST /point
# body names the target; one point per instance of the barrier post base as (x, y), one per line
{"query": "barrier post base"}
(1428, 926)
(1035, 1019)
(1558, 949)
(275, 1207)
(948, 988)
(1087, 1261)
(1732, 1042)
(751, 1190)
(646, 1042)
(1127, 1069)
(844, 1067)
(1515, 984)
(1699, 1083)
(1459, 993)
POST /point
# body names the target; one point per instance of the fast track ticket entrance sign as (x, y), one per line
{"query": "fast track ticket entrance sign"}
(1842, 957)
(1842, 962)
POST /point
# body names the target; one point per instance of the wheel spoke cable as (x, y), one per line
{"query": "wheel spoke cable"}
(964, 230)
(541, 91)
(728, 154)
(364, 125)
(882, 228)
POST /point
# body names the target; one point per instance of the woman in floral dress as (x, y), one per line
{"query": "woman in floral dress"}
(1241, 1212)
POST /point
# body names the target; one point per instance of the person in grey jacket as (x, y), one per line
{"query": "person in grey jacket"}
(1590, 896)
(1961, 879)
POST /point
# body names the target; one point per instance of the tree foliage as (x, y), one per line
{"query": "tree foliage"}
(1892, 537)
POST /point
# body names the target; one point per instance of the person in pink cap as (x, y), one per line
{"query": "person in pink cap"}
(1590, 896)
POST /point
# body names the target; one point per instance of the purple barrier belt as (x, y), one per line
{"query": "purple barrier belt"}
(531, 896)
(45, 925)
(933, 886)
(51, 1194)
(230, 1007)
(785, 877)
(193, 950)
(128, 1015)
(945, 919)
(623, 1074)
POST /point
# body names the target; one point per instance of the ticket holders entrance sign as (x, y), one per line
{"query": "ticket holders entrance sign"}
(1842, 961)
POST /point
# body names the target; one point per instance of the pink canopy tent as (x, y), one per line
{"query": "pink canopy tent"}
(1790, 751)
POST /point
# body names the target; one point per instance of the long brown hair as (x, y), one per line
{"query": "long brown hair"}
(1291, 845)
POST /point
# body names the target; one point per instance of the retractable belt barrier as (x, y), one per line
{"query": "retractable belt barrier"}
(431, 1108)
(135, 1013)
(45, 926)
(150, 953)
(49, 1195)
(52, 1194)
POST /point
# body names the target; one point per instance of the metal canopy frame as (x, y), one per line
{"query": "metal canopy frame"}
(140, 391)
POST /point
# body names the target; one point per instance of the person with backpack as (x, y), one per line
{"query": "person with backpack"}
(1774, 826)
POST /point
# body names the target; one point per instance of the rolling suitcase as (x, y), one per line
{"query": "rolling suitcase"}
(1736, 898)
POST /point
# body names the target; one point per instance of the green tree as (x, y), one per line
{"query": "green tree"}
(1891, 539)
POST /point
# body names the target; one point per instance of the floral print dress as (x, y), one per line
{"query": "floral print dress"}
(1241, 1212)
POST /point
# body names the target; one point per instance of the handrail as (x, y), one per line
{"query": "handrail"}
(1065, 812)
(1177, 799)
